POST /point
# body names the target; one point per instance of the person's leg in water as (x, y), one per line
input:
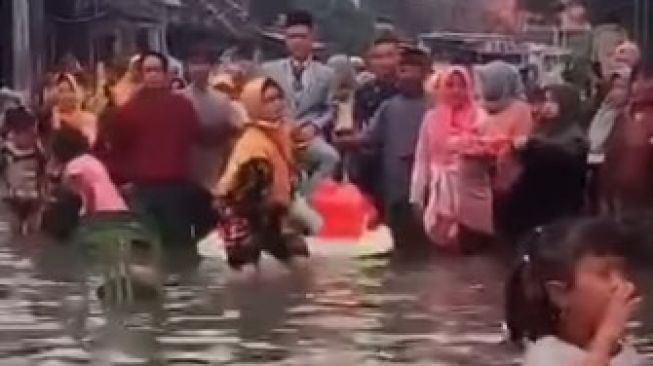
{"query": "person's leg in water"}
(204, 217)
(407, 230)
(474, 242)
(241, 244)
(169, 206)
(275, 234)
(367, 173)
(243, 256)
(22, 208)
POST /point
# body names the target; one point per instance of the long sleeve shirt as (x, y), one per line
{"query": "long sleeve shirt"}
(393, 132)
(153, 138)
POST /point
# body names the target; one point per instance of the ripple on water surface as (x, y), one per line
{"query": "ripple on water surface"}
(444, 311)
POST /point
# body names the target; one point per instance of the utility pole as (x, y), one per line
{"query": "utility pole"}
(644, 28)
(22, 55)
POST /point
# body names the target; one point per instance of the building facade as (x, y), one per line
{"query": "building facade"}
(21, 43)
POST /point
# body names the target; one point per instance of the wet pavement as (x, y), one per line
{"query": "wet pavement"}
(439, 311)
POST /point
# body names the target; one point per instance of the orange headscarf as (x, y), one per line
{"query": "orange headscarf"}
(269, 140)
(70, 112)
(128, 84)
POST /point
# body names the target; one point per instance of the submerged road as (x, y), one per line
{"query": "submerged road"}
(437, 311)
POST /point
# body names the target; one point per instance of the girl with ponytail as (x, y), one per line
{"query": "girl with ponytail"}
(571, 297)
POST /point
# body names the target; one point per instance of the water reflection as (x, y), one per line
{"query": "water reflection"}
(440, 311)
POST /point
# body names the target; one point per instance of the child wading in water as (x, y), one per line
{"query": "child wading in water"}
(23, 163)
(112, 237)
(256, 189)
(84, 174)
(571, 295)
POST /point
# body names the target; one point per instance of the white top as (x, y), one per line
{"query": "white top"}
(551, 351)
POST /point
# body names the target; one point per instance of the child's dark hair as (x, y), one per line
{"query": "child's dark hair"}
(19, 119)
(68, 144)
(552, 254)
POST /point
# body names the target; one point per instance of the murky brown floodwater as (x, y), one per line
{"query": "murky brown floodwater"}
(440, 311)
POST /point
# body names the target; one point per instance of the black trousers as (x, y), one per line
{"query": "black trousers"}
(168, 207)
(407, 230)
(204, 217)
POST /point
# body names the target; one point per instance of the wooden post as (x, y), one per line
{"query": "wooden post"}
(38, 34)
(644, 28)
(22, 60)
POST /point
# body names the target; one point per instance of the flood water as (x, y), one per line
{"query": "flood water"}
(437, 311)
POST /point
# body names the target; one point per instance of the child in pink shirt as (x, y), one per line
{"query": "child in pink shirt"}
(85, 174)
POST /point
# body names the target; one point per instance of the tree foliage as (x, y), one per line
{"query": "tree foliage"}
(544, 7)
(345, 27)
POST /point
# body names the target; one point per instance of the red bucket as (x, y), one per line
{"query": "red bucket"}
(345, 210)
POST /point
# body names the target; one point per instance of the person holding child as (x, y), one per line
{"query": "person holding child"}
(255, 193)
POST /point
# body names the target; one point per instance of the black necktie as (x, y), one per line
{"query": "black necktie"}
(298, 72)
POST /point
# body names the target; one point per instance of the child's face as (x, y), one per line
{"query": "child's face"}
(411, 78)
(537, 109)
(24, 139)
(596, 279)
(456, 89)
(550, 108)
(66, 94)
(273, 104)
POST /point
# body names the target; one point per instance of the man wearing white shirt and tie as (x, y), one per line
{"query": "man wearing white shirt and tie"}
(308, 86)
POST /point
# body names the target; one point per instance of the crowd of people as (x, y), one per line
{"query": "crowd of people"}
(457, 157)
(452, 155)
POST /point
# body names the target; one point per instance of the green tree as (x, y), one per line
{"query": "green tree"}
(345, 28)
(545, 7)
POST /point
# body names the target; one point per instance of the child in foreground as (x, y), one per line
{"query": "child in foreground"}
(571, 295)
(114, 240)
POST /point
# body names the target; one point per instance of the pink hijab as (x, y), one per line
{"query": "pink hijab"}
(447, 125)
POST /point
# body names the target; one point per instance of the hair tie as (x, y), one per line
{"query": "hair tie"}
(530, 243)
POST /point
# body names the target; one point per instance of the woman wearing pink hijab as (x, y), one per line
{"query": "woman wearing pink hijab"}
(449, 139)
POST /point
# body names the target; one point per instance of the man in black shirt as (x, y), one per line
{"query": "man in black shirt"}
(383, 61)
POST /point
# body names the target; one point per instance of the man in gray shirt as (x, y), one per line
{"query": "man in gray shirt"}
(218, 124)
(392, 134)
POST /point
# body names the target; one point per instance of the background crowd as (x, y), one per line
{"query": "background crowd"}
(457, 156)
